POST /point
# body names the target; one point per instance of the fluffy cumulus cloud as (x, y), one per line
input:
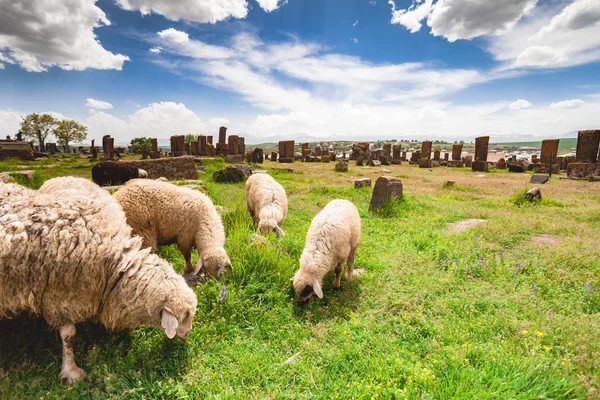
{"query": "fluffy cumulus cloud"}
(204, 11)
(568, 104)
(462, 19)
(39, 34)
(430, 114)
(555, 35)
(411, 18)
(519, 104)
(161, 120)
(218, 121)
(98, 104)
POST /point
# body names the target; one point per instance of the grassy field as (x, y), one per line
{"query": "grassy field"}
(506, 309)
(565, 144)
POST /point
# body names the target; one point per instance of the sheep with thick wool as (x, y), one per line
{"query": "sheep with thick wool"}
(163, 213)
(267, 203)
(72, 259)
(107, 173)
(331, 240)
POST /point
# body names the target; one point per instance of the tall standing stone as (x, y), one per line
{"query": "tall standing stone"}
(222, 134)
(233, 145)
(426, 149)
(154, 153)
(202, 143)
(385, 187)
(387, 150)
(587, 146)
(209, 139)
(286, 151)
(257, 155)
(436, 155)
(481, 153)
(241, 145)
(456, 152)
(108, 147)
(194, 148)
(396, 154)
(178, 146)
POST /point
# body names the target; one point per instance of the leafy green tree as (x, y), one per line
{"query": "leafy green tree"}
(136, 145)
(38, 126)
(69, 130)
(190, 137)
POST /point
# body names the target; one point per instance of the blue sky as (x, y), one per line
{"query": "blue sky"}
(304, 69)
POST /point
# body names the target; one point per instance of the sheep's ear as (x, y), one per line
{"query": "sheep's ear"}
(317, 289)
(199, 265)
(169, 323)
(279, 231)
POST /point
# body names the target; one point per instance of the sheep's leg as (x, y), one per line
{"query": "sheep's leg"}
(186, 251)
(350, 265)
(70, 372)
(338, 272)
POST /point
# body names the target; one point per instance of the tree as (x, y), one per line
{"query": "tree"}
(136, 144)
(69, 130)
(38, 126)
(190, 137)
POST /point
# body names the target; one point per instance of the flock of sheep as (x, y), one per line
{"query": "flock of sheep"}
(71, 252)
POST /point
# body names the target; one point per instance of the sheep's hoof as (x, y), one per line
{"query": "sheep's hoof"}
(72, 375)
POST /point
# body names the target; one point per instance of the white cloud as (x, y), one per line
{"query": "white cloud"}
(555, 120)
(467, 19)
(39, 34)
(203, 11)
(462, 19)
(174, 35)
(411, 18)
(266, 122)
(553, 36)
(539, 56)
(211, 11)
(155, 50)
(160, 120)
(270, 5)
(355, 23)
(354, 40)
(1, 66)
(98, 104)
(217, 121)
(430, 114)
(568, 104)
(519, 104)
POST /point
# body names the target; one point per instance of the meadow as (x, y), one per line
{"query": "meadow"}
(509, 308)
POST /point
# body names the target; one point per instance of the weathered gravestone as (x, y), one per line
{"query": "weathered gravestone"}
(257, 155)
(362, 182)
(586, 160)
(233, 173)
(481, 153)
(385, 188)
(341, 166)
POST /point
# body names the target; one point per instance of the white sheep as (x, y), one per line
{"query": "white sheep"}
(332, 238)
(163, 213)
(69, 259)
(267, 203)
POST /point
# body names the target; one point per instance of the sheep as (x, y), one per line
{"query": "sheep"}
(163, 213)
(332, 238)
(69, 259)
(267, 203)
(107, 173)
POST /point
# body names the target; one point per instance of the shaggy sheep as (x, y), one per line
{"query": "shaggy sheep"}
(70, 259)
(266, 202)
(107, 173)
(332, 238)
(163, 213)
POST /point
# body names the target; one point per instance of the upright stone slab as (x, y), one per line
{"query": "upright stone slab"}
(202, 144)
(436, 155)
(222, 134)
(289, 148)
(457, 152)
(154, 153)
(108, 144)
(446, 156)
(273, 156)
(318, 151)
(241, 145)
(144, 151)
(387, 151)
(587, 146)
(396, 154)
(303, 146)
(178, 146)
(194, 148)
(385, 187)
(426, 149)
(481, 153)
(209, 139)
(257, 155)
(233, 145)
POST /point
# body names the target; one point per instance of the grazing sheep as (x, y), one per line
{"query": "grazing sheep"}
(332, 238)
(69, 259)
(163, 213)
(107, 173)
(266, 202)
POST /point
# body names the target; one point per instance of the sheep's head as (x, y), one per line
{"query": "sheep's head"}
(214, 262)
(305, 288)
(149, 292)
(142, 173)
(177, 313)
(270, 225)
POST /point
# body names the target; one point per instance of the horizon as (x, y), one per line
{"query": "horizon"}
(271, 70)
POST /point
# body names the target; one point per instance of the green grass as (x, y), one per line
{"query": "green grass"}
(565, 144)
(484, 313)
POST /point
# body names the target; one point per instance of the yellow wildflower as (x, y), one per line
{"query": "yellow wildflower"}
(524, 332)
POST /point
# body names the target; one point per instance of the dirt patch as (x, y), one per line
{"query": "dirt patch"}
(546, 239)
(464, 224)
(358, 271)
